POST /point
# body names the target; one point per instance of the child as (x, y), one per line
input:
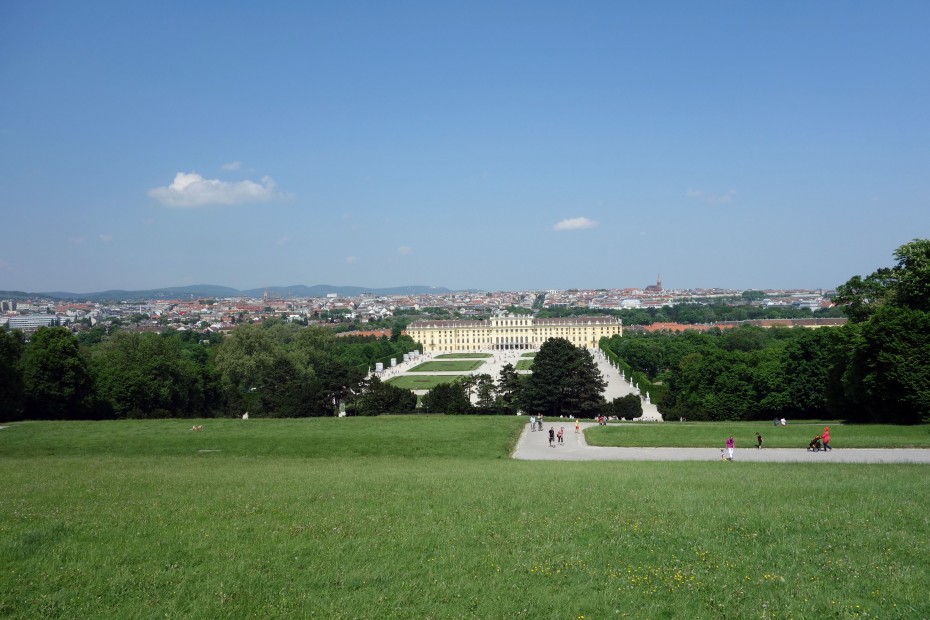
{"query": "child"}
(758, 441)
(814, 445)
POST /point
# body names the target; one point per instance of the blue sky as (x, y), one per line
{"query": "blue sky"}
(492, 145)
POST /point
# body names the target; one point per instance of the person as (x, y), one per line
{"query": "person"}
(758, 441)
(560, 435)
(826, 438)
(814, 445)
(577, 426)
(539, 421)
(533, 423)
(723, 456)
(784, 422)
(775, 421)
(730, 445)
(551, 437)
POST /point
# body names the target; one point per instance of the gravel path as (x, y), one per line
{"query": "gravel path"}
(534, 446)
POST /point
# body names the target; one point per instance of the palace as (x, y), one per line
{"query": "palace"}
(511, 332)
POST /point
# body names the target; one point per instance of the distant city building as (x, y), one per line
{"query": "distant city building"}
(657, 287)
(511, 332)
(32, 322)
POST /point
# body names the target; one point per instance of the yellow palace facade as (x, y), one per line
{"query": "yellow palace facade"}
(511, 332)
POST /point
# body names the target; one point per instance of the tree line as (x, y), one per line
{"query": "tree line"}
(694, 313)
(876, 368)
(270, 369)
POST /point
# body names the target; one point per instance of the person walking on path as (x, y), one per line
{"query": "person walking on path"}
(826, 438)
(551, 437)
(533, 423)
(561, 434)
(577, 426)
(758, 441)
(730, 445)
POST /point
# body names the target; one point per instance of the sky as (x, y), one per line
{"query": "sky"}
(469, 145)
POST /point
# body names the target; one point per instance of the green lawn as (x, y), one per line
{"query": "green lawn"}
(533, 354)
(794, 435)
(421, 382)
(427, 517)
(524, 365)
(463, 356)
(459, 366)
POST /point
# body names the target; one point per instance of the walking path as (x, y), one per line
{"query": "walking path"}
(534, 446)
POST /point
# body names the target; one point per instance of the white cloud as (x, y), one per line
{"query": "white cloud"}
(106, 238)
(351, 260)
(233, 165)
(189, 189)
(405, 249)
(714, 199)
(575, 223)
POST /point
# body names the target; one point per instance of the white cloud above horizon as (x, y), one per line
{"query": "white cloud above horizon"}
(714, 199)
(405, 250)
(575, 223)
(233, 165)
(190, 190)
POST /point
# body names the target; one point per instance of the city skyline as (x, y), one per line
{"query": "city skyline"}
(530, 146)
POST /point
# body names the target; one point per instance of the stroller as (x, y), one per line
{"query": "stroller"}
(814, 445)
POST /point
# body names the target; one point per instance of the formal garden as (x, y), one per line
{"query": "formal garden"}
(447, 366)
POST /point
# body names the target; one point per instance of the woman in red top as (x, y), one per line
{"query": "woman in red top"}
(826, 438)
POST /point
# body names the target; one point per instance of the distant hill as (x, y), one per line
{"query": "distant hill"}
(322, 290)
(200, 291)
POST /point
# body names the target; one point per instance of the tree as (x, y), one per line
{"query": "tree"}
(509, 388)
(862, 296)
(565, 381)
(146, 375)
(485, 389)
(808, 360)
(626, 407)
(887, 375)
(889, 370)
(447, 398)
(378, 398)
(56, 382)
(912, 275)
(11, 379)
(245, 357)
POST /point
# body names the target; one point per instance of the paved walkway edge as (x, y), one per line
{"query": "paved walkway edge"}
(534, 446)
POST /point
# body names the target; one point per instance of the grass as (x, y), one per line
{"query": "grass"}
(421, 382)
(459, 356)
(794, 435)
(458, 366)
(533, 354)
(426, 517)
(524, 365)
